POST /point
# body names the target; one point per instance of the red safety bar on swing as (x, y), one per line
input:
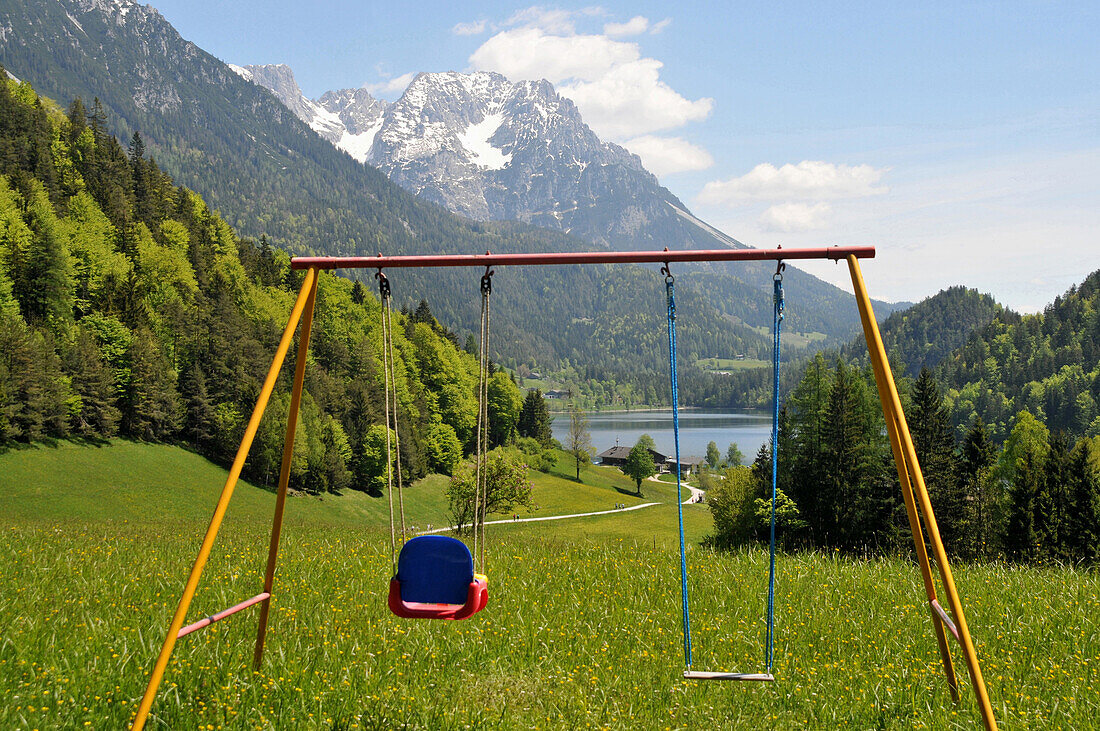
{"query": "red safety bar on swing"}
(477, 597)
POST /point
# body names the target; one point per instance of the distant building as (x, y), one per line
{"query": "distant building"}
(616, 457)
(558, 395)
(688, 465)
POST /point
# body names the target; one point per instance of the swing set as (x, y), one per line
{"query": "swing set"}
(435, 577)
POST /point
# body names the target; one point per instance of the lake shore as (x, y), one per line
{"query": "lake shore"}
(698, 427)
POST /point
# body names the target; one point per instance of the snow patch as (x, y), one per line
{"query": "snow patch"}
(358, 146)
(76, 22)
(323, 120)
(241, 71)
(476, 141)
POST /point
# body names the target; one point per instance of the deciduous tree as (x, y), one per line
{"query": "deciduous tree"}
(639, 465)
(578, 442)
(506, 488)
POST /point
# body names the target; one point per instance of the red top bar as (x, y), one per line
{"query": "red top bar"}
(579, 257)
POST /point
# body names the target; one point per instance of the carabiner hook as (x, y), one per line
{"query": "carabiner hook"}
(383, 284)
(487, 281)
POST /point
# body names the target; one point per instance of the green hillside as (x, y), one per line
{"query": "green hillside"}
(924, 335)
(268, 174)
(122, 481)
(1047, 363)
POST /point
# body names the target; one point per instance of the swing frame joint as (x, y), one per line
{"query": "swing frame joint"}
(383, 284)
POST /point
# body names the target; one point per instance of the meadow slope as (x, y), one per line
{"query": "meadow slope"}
(583, 627)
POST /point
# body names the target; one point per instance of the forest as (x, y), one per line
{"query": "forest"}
(1034, 498)
(128, 307)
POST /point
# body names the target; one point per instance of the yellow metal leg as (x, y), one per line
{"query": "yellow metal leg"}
(888, 391)
(922, 553)
(223, 504)
(284, 472)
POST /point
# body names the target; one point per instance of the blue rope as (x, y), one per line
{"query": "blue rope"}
(670, 290)
(777, 299)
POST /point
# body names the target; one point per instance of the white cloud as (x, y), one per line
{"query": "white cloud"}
(808, 180)
(659, 26)
(630, 100)
(396, 85)
(796, 217)
(530, 53)
(666, 155)
(551, 20)
(473, 28)
(618, 91)
(633, 27)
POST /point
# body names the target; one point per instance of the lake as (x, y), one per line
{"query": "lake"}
(749, 429)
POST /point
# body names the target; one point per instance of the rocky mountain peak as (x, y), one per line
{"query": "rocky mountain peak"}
(491, 149)
(357, 109)
(279, 79)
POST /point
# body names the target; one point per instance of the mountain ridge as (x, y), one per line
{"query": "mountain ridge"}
(490, 149)
(269, 173)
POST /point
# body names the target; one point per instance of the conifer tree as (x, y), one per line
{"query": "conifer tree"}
(808, 406)
(1083, 516)
(1020, 540)
(534, 418)
(1053, 501)
(42, 274)
(95, 412)
(968, 507)
(151, 405)
(199, 421)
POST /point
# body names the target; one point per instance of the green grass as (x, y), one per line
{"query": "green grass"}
(130, 481)
(730, 364)
(582, 629)
(796, 340)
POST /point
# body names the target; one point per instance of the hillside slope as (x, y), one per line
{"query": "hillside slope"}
(1047, 363)
(269, 173)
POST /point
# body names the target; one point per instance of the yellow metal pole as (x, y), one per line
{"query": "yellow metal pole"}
(878, 355)
(223, 504)
(918, 539)
(894, 433)
(284, 471)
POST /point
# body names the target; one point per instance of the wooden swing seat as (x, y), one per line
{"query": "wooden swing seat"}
(703, 675)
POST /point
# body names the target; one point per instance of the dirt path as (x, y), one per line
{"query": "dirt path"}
(546, 517)
(696, 493)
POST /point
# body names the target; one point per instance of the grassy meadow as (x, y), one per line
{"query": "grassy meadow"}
(582, 629)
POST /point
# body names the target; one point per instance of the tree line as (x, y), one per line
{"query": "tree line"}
(1036, 497)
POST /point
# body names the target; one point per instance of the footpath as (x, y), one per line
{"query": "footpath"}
(545, 517)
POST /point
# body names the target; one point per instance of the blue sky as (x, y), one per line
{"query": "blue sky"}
(961, 139)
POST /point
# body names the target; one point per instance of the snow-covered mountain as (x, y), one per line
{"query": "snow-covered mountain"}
(348, 119)
(491, 149)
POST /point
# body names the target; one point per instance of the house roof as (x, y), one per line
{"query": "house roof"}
(621, 452)
(616, 452)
